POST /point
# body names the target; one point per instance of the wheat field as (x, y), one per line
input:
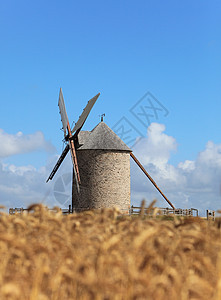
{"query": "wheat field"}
(102, 255)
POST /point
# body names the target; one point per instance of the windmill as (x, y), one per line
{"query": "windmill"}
(102, 159)
(71, 137)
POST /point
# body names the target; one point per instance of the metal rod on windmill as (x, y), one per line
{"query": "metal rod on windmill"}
(71, 136)
(102, 117)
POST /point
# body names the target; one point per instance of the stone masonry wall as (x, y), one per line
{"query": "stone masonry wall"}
(105, 180)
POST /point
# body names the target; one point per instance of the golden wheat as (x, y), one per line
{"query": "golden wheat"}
(102, 255)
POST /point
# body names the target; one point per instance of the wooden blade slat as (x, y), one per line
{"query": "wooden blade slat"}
(85, 114)
(62, 109)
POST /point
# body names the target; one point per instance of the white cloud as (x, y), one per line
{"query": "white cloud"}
(25, 185)
(157, 147)
(187, 165)
(19, 143)
(18, 170)
(189, 184)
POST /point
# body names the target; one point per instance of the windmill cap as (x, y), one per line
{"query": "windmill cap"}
(101, 138)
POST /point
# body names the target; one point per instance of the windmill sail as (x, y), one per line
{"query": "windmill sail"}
(85, 114)
(62, 109)
(67, 133)
(70, 138)
(61, 158)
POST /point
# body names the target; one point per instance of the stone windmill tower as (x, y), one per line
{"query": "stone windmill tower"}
(104, 167)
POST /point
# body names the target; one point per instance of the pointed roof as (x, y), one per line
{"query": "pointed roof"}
(102, 138)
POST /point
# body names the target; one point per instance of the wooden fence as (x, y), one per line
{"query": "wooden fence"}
(134, 210)
(21, 210)
(191, 212)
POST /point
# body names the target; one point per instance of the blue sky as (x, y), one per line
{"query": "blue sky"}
(121, 49)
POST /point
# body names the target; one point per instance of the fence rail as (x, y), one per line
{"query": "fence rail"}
(191, 212)
(21, 210)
